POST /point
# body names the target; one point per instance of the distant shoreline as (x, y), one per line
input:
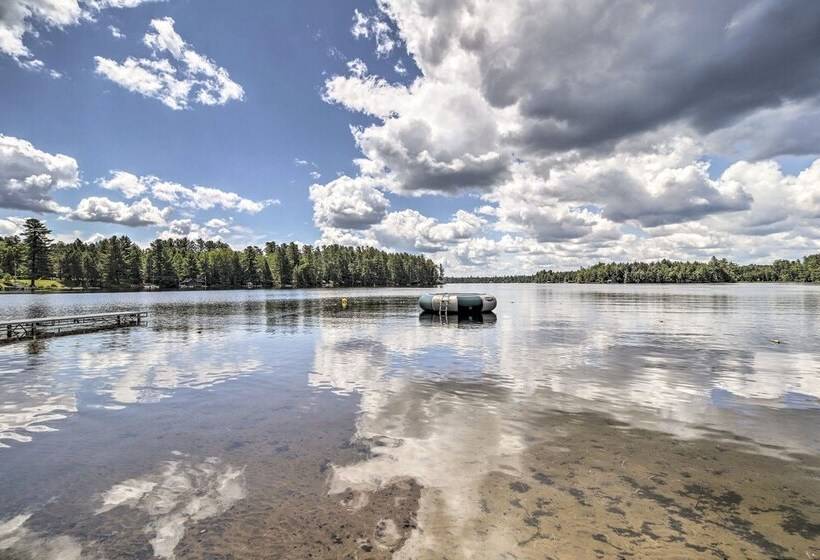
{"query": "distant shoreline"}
(482, 280)
(713, 271)
(463, 280)
(165, 290)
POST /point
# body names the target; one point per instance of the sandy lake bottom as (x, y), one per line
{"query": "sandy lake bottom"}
(577, 422)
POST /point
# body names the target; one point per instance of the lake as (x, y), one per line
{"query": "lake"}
(578, 421)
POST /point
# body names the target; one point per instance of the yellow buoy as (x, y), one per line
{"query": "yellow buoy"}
(344, 303)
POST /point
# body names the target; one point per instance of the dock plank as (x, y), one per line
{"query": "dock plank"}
(34, 327)
(56, 319)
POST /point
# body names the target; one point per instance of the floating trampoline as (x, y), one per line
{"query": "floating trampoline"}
(462, 304)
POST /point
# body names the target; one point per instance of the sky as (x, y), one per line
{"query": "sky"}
(494, 137)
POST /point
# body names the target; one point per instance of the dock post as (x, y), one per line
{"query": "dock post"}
(34, 331)
(8, 331)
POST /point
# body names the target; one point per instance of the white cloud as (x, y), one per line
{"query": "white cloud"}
(22, 18)
(406, 230)
(196, 197)
(115, 32)
(434, 138)
(128, 184)
(185, 78)
(348, 203)
(314, 169)
(206, 198)
(377, 27)
(410, 230)
(28, 176)
(102, 209)
(581, 144)
(357, 67)
(11, 225)
(215, 229)
(665, 184)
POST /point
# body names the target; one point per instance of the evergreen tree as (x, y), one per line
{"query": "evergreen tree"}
(133, 266)
(164, 273)
(250, 267)
(37, 242)
(91, 269)
(267, 277)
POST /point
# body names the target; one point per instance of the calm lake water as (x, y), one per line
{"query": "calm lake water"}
(576, 422)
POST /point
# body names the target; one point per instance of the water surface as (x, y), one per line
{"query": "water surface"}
(578, 421)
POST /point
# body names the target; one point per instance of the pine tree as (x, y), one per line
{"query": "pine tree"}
(267, 277)
(133, 266)
(37, 242)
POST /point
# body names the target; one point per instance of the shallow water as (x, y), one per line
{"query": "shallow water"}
(576, 422)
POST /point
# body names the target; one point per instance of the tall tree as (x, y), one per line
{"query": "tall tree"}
(133, 265)
(37, 242)
(13, 255)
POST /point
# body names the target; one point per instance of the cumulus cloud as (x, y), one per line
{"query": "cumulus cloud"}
(588, 129)
(102, 209)
(662, 185)
(127, 183)
(586, 72)
(410, 230)
(22, 18)
(196, 197)
(407, 230)
(179, 80)
(215, 229)
(28, 176)
(11, 225)
(436, 138)
(206, 198)
(348, 203)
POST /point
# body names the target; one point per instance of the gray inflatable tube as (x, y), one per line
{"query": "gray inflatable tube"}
(457, 303)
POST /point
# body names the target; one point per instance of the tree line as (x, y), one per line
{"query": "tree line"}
(671, 272)
(117, 263)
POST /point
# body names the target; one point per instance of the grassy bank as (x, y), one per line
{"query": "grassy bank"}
(44, 284)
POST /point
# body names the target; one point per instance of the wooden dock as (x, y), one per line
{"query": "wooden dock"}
(19, 329)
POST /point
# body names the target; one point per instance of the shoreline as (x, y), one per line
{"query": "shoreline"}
(172, 290)
(460, 281)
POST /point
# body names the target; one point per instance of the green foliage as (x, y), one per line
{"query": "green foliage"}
(37, 245)
(672, 272)
(12, 255)
(117, 263)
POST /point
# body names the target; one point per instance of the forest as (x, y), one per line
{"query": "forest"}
(671, 272)
(117, 263)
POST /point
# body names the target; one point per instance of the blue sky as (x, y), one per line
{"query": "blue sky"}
(280, 53)
(491, 136)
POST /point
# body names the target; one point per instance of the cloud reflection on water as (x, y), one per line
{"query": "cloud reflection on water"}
(448, 406)
(177, 495)
(41, 390)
